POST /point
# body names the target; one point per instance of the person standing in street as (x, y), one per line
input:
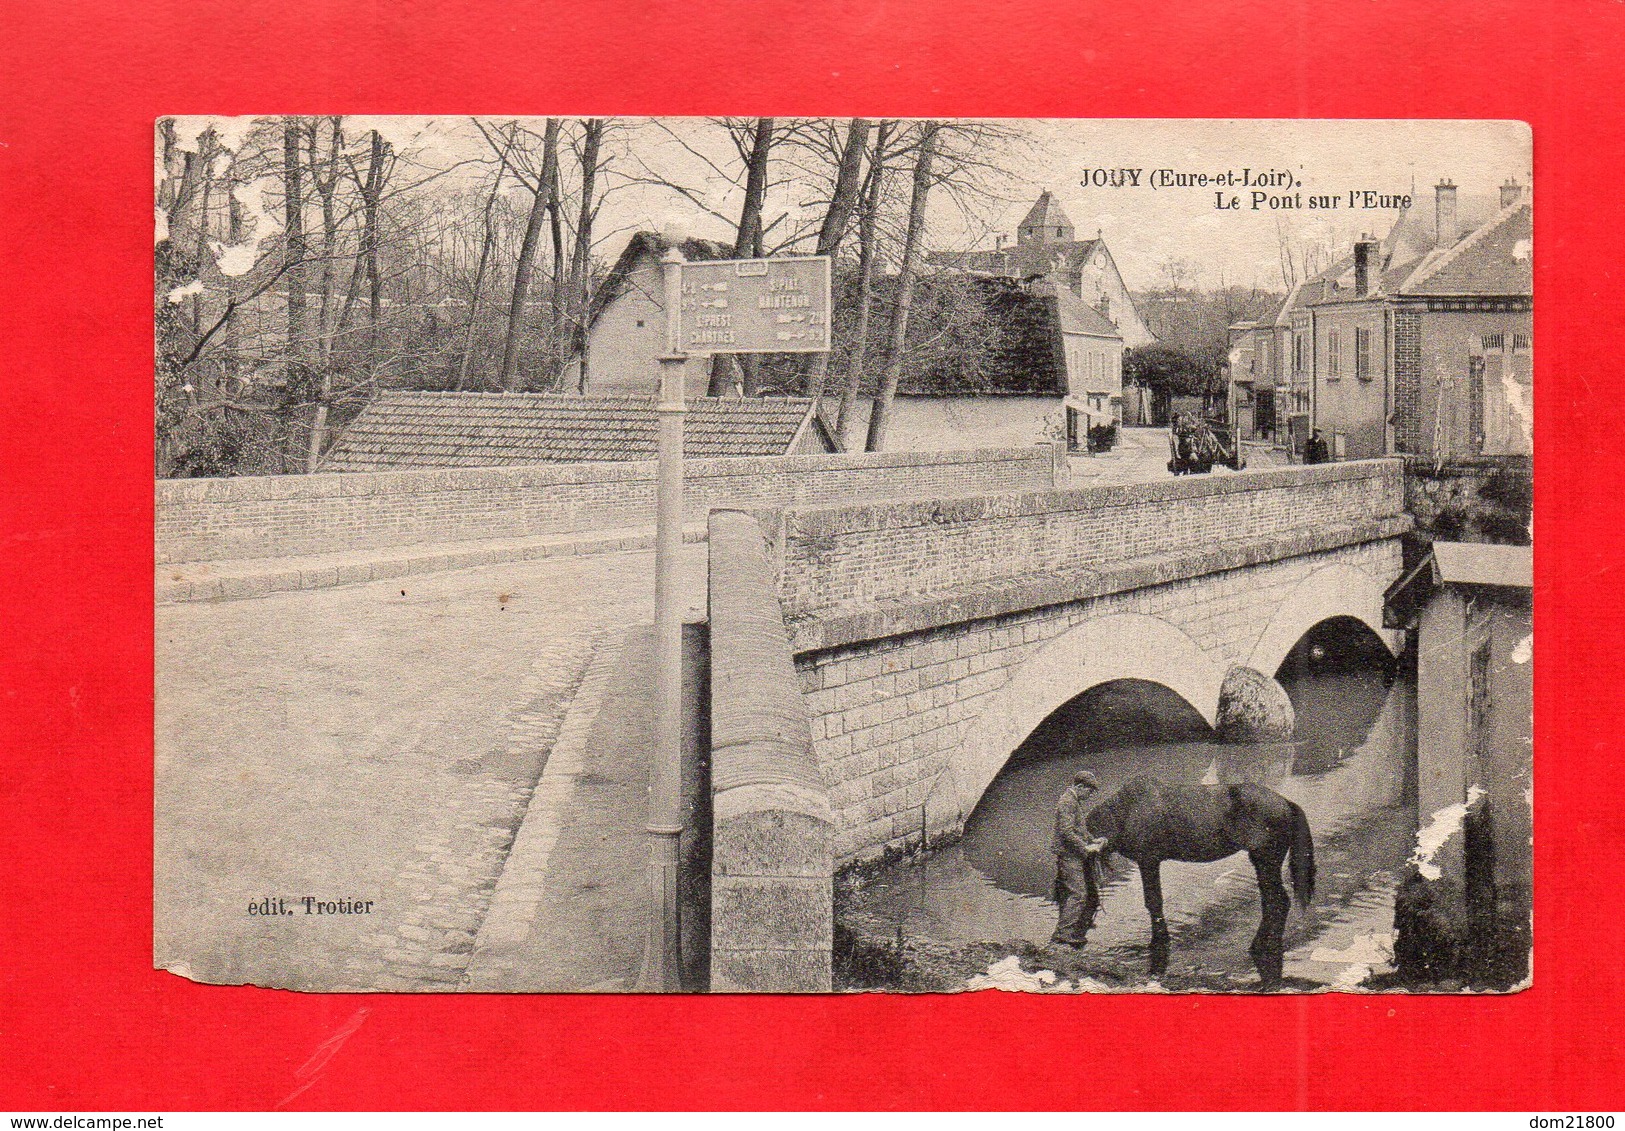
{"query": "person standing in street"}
(1315, 450)
(1076, 890)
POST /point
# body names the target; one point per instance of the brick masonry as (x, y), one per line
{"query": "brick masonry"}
(890, 712)
(277, 516)
(1408, 381)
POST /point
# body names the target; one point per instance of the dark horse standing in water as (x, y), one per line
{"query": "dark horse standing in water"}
(1149, 821)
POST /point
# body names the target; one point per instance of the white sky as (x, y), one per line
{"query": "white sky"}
(1144, 228)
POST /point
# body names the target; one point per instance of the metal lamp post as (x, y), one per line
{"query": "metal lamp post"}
(662, 955)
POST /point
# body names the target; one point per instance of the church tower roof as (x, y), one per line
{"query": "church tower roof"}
(1046, 222)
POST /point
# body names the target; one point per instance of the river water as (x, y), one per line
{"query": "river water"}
(1350, 770)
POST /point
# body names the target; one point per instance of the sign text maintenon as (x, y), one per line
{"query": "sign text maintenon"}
(756, 306)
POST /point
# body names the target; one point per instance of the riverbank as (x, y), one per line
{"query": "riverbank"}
(869, 961)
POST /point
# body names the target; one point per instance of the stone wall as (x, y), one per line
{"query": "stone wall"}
(1471, 499)
(889, 715)
(772, 868)
(855, 558)
(279, 516)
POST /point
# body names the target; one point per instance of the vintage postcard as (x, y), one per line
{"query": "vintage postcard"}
(810, 555)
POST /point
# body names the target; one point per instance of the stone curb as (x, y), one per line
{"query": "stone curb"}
(519, 888)
(228, 580)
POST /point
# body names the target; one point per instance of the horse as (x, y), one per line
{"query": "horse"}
(1149, 821)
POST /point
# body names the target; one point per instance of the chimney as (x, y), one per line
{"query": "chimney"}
(1367, 265)
(1444, 214)
(1510, 192)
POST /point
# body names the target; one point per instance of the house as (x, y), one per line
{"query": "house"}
(1421, 342)
(400, 430)
(1092, 350)
(1468, 607)
(1047, 248)
(1241, 359)
(626, 328)
(993, 362)
(1274, 397)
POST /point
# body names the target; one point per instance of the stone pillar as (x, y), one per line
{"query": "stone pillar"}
(772, 863)
(1253, 707)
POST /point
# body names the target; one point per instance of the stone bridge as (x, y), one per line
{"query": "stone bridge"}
(931, 638)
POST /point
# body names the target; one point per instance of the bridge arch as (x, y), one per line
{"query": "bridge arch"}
(1100, 650)
(1337, 590)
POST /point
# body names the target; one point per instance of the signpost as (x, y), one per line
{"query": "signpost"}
(720, 306)
(755, 306)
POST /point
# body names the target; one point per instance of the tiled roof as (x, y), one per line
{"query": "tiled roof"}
(1047, 213)
(1493, 260)
(1078, 317)
(409, 429)
(1411, 238)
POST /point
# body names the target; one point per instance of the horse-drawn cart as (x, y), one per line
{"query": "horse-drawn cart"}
(1195, 445)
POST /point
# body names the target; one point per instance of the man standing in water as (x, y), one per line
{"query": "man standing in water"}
(1075, 889)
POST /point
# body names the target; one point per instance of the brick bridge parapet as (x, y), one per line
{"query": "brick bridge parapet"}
(931, 637)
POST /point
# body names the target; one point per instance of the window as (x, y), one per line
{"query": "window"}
(1362, 354)
(1334, 350)
(1520, 343)
(1297, 353)
(1493, 343)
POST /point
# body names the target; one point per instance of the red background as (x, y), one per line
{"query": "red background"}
(84, 1022)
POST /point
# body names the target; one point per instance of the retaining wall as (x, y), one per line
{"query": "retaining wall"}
(1471, 498)
(292, 515)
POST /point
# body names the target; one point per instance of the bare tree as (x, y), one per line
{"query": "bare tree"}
(843, 200)
(324, 178)
(487, 239)
(580, 265)
(880, 417)
(1179, 272)
(747, 242)
(508, 377)
(868, 217)
(372, 191)
(298, 367)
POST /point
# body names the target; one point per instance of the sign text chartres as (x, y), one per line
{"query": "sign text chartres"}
(756, 306)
